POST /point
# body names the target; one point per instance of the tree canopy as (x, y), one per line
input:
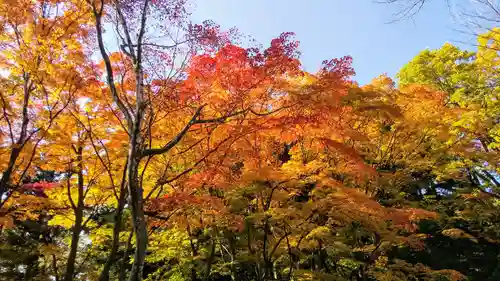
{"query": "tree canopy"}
(180, 154)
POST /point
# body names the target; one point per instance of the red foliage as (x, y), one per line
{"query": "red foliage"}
(39, 185)
(209, 35)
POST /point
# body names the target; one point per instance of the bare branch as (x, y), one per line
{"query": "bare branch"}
(107, 63)
(177, 138)
(141, 33)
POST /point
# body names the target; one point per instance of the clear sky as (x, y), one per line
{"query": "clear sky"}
(334, 28)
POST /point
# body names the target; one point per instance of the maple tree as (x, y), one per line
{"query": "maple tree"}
(181, 155)
(41, 58)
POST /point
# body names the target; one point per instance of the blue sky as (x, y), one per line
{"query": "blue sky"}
(334, 28)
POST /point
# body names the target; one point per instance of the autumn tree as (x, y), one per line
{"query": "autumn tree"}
(41, 52)
(141, 100)
(455, 159)
(283, 200)
(132, 19)
(469, 80)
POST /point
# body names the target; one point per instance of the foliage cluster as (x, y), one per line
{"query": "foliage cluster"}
(184, 156)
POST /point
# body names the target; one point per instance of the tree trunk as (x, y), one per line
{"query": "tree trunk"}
(268, 264)
(77, 228)
(210, 261)
(134, 120)
(6, 175)
(54, 268)
(16, 150)
(138, 218)
(104, 276)
(134, 186)
(121, 275)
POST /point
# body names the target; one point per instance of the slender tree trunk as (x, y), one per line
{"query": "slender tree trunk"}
(134, 185)
(18, 146)
(138, 218)
(232, 248)
(54, 267)
(134, 120)
(77, 228)
(268, 265)
(6, 175)
(121, 276)
(104, 276)
(210, 261)
(194, 251)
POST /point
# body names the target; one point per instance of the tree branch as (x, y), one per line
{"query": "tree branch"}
(107, 62)
(177, 138)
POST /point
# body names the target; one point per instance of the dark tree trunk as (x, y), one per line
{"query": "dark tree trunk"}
(77, 228)
(104, 276)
